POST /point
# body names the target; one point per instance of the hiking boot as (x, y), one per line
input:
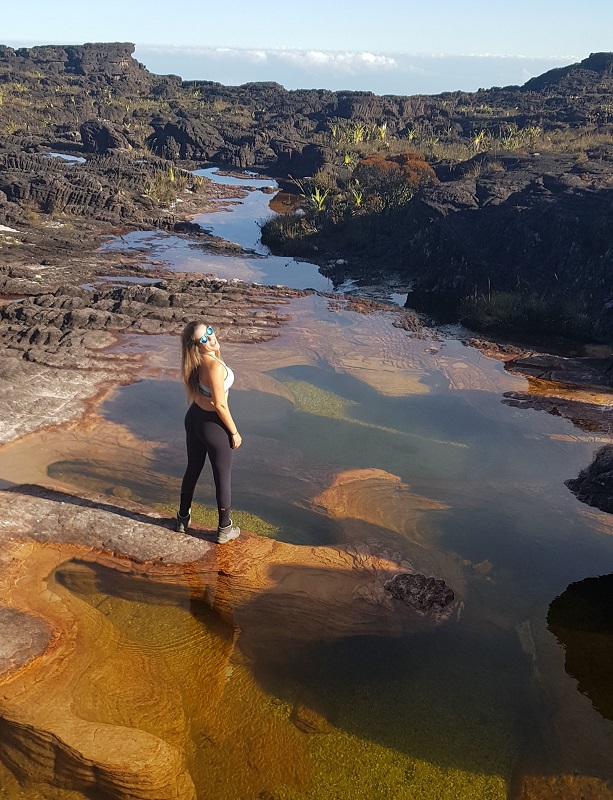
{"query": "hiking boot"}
(182, 523)
(228, 533)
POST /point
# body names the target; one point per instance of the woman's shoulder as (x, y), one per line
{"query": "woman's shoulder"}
(211, 364)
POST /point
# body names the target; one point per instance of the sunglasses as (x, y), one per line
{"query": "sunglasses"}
(204, 339)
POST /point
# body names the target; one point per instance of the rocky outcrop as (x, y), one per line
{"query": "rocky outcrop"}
(100, 137)
(536, 226)
(590, 417)
(102, 63)
(534, 223)
(112, 187)
(578, 389)
(594, 485)
(187, 139)
(51, 324)
(250, 118)
(589, 373)
(420, 593)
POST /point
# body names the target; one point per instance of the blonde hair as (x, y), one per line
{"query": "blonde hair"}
(191, 358)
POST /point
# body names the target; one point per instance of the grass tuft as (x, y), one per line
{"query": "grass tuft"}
(204, 515)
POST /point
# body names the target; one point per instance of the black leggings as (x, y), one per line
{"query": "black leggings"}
(207, 435)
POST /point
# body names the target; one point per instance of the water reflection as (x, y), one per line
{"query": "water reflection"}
(239, 222)
(582, 620)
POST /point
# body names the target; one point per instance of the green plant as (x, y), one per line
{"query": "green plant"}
(317, 198)
(480, 140)
(525, 313)
(165, 186)
(358, 197)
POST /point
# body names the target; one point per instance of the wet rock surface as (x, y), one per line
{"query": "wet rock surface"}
(59, 322)
(586, 416)
(596, 373)
(594, 485)
(22, 638)
(54, 344)
(577, 388)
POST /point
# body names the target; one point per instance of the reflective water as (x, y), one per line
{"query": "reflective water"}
(239, 223)
(446, 714)
(65, 157)
(352, 431)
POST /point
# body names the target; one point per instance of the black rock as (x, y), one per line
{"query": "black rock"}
(420, 593)
(594, 485)
(100, 137)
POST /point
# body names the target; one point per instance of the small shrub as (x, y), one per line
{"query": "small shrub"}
(392, 180)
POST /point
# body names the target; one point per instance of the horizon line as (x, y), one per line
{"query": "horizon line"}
(251, 48)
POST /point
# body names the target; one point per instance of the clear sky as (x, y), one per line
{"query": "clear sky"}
(362, 34)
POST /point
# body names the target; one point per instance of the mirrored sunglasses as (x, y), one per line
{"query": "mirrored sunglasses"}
(204, 339)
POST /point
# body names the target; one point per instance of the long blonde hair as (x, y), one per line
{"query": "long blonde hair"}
(191, 358)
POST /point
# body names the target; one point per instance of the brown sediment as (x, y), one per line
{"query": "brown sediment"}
(362, 498)
(89, 438)
(377, 497)
(90, 711)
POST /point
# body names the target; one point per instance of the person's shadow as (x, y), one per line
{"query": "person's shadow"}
(131, 510)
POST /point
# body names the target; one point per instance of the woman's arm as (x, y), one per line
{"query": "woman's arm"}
(215, 372)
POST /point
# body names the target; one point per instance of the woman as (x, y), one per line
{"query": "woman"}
(210, 429)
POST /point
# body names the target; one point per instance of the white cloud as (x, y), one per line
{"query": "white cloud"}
(342, 62)
(383, 73)
(345, 62)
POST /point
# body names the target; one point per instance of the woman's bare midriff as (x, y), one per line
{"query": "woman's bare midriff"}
(206, 403)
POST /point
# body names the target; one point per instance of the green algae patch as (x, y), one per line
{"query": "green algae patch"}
(348, 768)
(204, 515)
(419, 719)
(312, 400)
(374, 754)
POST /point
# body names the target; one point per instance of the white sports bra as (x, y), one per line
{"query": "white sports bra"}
(228, 381)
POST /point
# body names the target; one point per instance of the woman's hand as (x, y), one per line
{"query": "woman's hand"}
(236, 440)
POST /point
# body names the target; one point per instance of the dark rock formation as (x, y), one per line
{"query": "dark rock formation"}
(529, 223)
(107, 187)
(588, 417)
(187, 139)
(420, 593)
(591, 373)
(100, 137)
(263, 124)
(535, 225)
(102, 63)
(53, 329)
(594, 485)
(534, 222)
(575, 77)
